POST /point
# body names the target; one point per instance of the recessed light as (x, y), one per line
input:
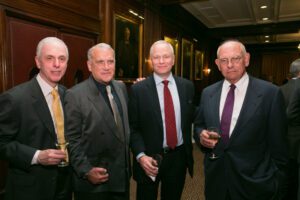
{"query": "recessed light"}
(267, 41)
(263, 7)
(265, 18)
(267, 36)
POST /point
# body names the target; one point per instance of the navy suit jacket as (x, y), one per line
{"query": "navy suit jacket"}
(293, 112)
(252, 165)
(146, 125)
(25, 126)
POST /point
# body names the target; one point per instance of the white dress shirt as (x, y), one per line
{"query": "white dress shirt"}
(239, 96)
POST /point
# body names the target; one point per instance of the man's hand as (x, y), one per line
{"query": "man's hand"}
(97, 175)
(149, 165)
(208, 139)
(139, 79)
(51, 157)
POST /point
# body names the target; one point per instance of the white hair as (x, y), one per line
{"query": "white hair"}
(50, 40)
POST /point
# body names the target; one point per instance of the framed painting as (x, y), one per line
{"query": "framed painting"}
(128, 48)
(186, 58)
(174, 43)
(198, 65)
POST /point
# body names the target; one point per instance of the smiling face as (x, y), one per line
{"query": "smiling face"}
(232, 61)
(102, 64)
(162, 59)
(52, 62)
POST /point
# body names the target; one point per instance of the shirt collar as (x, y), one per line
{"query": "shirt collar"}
(46, 88)
(242, 81)
(158, 80)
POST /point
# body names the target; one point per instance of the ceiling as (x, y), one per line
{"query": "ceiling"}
(244, 18)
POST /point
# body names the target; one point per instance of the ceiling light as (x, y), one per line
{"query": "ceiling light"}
(267, 36)
(266, 41)
(263, 7)
(265, 18)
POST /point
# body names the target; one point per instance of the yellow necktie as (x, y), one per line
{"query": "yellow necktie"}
(58, 117)
(59, 123)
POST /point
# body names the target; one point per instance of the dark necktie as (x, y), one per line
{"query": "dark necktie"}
(170, 122)
(227, 114)
(116, 112)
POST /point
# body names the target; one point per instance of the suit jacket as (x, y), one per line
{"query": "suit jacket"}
(146, 125)
(252, 165)
(93, 136)
(293, 134)
(293, 112)
(26, 126)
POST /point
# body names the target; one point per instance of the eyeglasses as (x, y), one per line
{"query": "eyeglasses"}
(233, 60)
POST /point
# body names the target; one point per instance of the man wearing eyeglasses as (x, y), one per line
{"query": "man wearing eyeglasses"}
(251, 156)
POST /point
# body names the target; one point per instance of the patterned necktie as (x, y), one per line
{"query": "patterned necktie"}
(227, 114)
(116, 112)
(58, 117)
(170, 122)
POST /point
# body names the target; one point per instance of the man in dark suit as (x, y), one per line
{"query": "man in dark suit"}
(293, 134)
(98, 135)
(252, 153)
(28, 132)
(148, 128)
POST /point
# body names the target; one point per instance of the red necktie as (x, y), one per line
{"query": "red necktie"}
(170, 122)
(227, 114)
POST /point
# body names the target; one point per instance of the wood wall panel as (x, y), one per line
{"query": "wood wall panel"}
(24, 37)
(51, 13)
(78, 47)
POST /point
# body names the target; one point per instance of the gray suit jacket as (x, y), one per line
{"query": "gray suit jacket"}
(92, 135)
(252, 165)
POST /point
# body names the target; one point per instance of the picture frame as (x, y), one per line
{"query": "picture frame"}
(198, 65)
(128, 48)
(186, 58)
(175, 44)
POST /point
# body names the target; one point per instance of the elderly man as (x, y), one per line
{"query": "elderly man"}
(250, 159)
(98, 130)
(29, 130)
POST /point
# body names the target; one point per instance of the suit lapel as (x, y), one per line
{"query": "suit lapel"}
(123, 102)
(103, 110)
(151, 87)
(41, 107)
(253, 98)
(214, 103)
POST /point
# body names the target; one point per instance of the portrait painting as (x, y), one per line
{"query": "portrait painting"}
(199, 57)
(186, 59)
(174, 43)
(127, 48)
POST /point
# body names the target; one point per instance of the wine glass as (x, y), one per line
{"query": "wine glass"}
(63, 147)
(214, 134)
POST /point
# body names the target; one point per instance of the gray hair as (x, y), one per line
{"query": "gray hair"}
(295, 68)
(99, 46)
(50, 40)
(242, 46)
(161, 42)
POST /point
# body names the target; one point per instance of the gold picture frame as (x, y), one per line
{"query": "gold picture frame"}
(186, 58)
(174, 42)
(198, 65)
(128, 48)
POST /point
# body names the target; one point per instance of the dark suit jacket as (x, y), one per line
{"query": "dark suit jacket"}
(146, 125)
(293, 112)
(293, 134)
(92, 135)
(26, 126)
(252, 165)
